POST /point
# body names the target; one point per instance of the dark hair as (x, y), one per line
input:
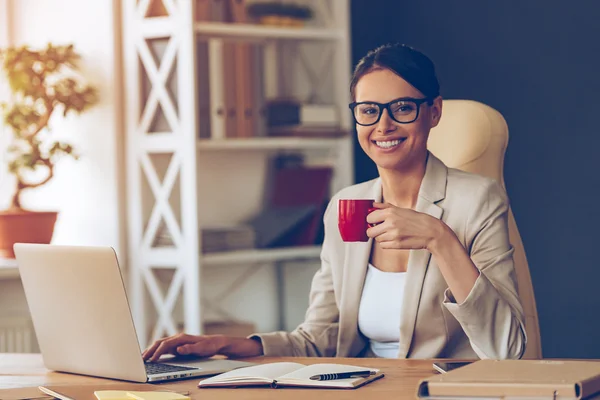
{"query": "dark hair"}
(409, 64)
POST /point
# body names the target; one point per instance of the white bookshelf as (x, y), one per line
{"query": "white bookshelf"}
(268, 143)
(164, 257)
(159, 27)
(247, 31)
(262, 256)
(167, 165)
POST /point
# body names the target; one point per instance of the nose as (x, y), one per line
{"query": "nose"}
(386, 123)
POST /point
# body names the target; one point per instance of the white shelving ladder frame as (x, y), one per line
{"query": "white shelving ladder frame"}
(180, 143)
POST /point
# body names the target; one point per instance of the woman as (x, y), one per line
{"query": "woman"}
(437, 280)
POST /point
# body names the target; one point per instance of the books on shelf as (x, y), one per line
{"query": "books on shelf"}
(231, 94)
(214, 238)
(238, 93)
(291, 218)
(227, 237)
(203, 10)
(275, 226)
(290, 112)
(284, 374)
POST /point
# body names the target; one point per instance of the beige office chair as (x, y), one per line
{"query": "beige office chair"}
(473, 137)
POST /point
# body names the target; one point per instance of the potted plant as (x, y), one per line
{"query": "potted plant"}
(280, 14)
(44, 83)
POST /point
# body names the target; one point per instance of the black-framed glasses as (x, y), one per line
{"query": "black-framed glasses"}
(403, 110)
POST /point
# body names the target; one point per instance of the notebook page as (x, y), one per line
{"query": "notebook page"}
(305, 373)
(268, 372)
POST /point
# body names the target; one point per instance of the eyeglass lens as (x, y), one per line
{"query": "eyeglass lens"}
(402, 111)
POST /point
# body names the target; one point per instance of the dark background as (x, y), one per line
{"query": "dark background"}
(537, 62)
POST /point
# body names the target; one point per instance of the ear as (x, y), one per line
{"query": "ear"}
(436, 111)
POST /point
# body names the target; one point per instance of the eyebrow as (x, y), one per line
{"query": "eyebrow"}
(391, 101)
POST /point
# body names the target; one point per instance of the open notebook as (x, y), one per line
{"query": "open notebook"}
(290, 374)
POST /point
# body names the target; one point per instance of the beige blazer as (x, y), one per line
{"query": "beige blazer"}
(488, 324)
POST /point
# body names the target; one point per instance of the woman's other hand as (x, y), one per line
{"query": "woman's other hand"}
(402, 228)
(203, 346)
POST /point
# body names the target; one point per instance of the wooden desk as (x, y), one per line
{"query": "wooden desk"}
(400, 381)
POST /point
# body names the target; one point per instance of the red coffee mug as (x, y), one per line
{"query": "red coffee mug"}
(352, 219)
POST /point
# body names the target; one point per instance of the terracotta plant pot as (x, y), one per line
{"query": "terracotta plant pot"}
(21, 226)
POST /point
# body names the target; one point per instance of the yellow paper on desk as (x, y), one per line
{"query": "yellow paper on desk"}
(126, 395)
(111, 395)
(156, 396)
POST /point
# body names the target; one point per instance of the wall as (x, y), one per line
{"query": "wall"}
(86, 192)
(537, 63)
(5, 40)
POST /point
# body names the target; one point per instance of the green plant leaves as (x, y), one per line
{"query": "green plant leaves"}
(42, 82)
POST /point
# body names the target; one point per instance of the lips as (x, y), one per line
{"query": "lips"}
(388, 143)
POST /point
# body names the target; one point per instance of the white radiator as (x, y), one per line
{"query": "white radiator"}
(17, 335)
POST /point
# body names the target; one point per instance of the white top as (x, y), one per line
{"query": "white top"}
(380, 309)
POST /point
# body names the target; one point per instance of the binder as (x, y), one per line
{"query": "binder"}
(244, 85)
(244, 73)
(237, 11)
(231, 87)
(203, 10)
(303, 186)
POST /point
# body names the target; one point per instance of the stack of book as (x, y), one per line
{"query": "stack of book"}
(227, 238)
(214, 238)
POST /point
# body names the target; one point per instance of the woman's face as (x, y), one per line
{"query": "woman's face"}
(390, 144)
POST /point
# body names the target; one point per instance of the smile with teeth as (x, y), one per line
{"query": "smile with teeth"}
(387, 144)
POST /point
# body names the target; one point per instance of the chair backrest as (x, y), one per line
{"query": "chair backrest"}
(472, 137)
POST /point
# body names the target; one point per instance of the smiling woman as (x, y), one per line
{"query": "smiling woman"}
(436, 279)
(395, 105)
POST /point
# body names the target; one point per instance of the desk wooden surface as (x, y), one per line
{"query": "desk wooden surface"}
(400, 381)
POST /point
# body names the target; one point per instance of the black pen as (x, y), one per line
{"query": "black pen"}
(343, 375)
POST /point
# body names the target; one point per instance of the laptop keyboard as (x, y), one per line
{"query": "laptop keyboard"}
(159, 368)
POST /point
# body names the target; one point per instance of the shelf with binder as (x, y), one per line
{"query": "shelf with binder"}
(224, 18)
(198, 144)
(238, 88)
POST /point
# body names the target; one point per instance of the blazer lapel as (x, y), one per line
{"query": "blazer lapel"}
(356, 258)
(432, 190)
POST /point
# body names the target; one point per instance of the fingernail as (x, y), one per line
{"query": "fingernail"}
(182, 350)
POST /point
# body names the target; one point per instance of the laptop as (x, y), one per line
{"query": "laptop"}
(82, 320)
